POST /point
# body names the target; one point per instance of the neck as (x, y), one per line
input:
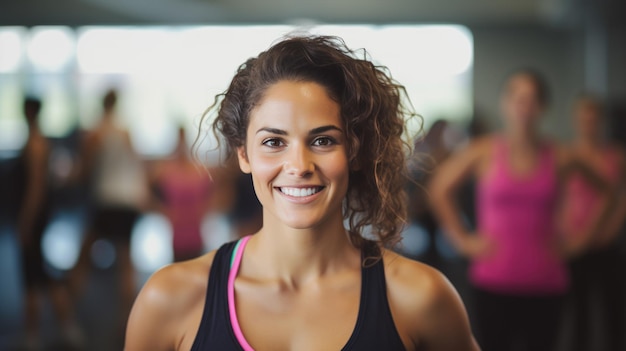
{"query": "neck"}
(107, 117)
(295, 256)
(33, 128)
(523, 138)
(182, 155)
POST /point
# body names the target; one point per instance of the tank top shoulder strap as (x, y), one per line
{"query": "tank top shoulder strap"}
(375, 328)
(214, 332)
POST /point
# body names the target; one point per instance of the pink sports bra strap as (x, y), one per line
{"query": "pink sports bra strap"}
(236, 262)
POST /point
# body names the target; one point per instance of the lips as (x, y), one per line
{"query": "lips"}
(300, 191)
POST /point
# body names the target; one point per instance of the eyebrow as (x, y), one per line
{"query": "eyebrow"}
(317, 130)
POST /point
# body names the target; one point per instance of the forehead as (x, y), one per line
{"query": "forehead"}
(290, 104)
(521, 82)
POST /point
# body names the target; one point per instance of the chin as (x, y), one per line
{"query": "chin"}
(302, 220)
(301, 223)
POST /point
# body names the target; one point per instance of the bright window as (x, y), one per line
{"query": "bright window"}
(169, 75)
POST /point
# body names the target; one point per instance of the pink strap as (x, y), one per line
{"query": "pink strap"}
(231, 295)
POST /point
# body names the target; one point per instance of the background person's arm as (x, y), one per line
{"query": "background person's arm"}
(446, 180)
(617, 217)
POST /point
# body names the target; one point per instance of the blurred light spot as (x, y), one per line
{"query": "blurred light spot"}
(13, 133)
(151, 243)
(56, 119)
(124, 50)
(215, 230)
(61, 163)
(11, 48)
(12, 291)
(443, 245)
(50, 49)
(94, 50)
(169, 72)
(61, 241)
(103, 254)
(415, 240)
(431, 50)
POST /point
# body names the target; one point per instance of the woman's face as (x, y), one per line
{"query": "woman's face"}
(296, 151)
(520, 104)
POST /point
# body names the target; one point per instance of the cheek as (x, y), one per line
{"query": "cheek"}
(264, 168)
(263, 171)
(337, 168)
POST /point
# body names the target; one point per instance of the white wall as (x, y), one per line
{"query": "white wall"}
(557, 53)
(617, 62)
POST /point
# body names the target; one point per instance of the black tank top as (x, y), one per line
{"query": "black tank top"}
(374, 329)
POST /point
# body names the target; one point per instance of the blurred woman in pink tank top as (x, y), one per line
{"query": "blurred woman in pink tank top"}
(600, 268)
(517, 259)
(185, 193)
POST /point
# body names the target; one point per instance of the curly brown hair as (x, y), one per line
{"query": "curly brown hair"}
(374, 109)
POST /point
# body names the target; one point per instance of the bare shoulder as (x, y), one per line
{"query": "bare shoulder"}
(417, 285)
(485, 141)
(426, 307)
(178, 282)
(163, 313)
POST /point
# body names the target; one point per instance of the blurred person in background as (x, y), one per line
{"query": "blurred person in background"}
(35, 206)
(184, 192)
(119, 194)
(598, 274)
(431, 149)
(518, 267)
(246, 213)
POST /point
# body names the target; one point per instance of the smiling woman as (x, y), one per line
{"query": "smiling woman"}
(321, 132)
(296, 151)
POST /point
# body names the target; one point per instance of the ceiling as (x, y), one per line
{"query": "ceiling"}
(85, 12)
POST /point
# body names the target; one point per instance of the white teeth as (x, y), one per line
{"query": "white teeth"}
(299, 192)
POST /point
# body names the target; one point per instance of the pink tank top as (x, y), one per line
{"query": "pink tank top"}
(186, 195)
(518, 213)
(581, 198)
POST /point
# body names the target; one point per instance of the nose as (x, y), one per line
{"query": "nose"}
(299, 161)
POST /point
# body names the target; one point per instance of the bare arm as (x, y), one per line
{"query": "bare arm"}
(35, 186)
(427, 308)
(617, 216)
(150, 323)
(444, 321)
(443, 188)
(168, 310)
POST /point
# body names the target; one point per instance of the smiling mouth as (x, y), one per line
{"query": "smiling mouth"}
(300, 192)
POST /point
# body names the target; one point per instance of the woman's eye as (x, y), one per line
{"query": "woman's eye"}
(273, 142)
(323, 141)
